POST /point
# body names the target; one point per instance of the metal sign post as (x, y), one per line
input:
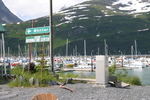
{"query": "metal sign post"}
(31, 39)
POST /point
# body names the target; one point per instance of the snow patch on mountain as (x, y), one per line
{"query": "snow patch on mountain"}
(69, 14)
(109, 7)
(133, 6)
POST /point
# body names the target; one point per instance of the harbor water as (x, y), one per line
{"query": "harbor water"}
(142, 73)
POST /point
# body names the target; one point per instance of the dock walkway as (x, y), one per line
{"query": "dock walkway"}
(77, 69)
(123, 85)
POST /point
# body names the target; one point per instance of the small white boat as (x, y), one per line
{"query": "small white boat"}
(136, 64)
(68, 63)
(84, 66)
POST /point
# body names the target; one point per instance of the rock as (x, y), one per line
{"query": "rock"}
(31, 81)
(21, 79)
(37, 82)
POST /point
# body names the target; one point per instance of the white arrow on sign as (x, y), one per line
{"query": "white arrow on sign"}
(29, 31)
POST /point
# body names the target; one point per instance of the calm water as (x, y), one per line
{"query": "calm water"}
(142, 73)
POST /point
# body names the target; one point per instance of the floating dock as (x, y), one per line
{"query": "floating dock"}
(77, 69)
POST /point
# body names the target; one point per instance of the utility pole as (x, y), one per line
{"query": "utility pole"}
(51, 36)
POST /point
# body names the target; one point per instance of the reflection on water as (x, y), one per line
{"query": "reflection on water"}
(142, 73)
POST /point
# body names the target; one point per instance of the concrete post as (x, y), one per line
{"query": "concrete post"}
(101, 71)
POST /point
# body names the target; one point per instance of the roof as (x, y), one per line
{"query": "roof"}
(2, 29)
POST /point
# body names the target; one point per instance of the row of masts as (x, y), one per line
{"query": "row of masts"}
(134, 53)
(34, 52)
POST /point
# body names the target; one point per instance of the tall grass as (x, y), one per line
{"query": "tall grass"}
(38, 75)
(45, 76)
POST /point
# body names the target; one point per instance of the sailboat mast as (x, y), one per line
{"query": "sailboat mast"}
(132, 51)
(8, 54)
(76, 50)
(98, 51)
(106, 48)
(135, 48)
(85, 50)
(66, 48)
(18, 52)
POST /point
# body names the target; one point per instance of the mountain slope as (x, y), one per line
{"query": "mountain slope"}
(6, 16)
(89, 19)
(94, 22)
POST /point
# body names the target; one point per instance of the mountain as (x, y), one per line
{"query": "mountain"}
(93, 21)
(6, 16)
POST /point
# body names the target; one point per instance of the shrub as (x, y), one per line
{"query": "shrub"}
(19, 71)
(135, 80)
(112, 69)
(123, 76)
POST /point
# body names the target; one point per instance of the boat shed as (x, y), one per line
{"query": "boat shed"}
(2, 30)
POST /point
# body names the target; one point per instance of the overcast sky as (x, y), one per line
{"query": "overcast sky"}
(30, 9)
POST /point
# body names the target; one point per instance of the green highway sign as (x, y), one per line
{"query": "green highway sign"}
(44, 38)
(37, 30)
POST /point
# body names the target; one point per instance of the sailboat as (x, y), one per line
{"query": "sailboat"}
(85, 63)
(67, 62)
(136, 62)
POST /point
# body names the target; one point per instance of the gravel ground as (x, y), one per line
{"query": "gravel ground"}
(84, 91)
